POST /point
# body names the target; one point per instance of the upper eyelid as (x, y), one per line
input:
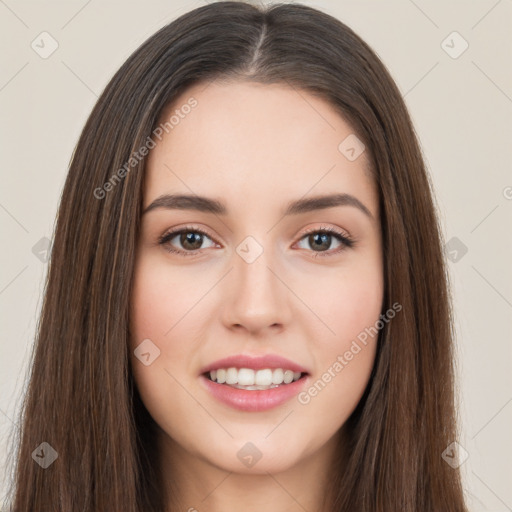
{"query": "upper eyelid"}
(336, 232)
(177, 231)
(329, 229)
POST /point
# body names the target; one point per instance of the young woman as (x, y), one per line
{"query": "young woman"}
(247, 303)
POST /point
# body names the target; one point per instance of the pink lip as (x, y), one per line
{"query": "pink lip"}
(256, 400)
(271, 361)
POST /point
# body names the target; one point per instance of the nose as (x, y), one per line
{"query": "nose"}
(257, 298)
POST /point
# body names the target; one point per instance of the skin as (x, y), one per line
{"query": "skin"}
(254, 147)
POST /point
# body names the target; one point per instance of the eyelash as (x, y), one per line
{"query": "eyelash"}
(346, 241)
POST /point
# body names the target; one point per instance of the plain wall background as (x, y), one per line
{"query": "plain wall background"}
(462, 110)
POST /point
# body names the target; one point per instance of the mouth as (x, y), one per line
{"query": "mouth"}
(254, 384)
(250, 379)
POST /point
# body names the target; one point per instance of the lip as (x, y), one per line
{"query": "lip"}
(256, 400)
(271, 361)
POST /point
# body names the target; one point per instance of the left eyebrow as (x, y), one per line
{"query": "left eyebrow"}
(322, 202)
(209, 205)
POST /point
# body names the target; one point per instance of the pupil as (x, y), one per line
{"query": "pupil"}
(193, 239)
(323, 238)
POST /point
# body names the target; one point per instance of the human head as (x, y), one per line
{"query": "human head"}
(395, 423)
(258, 283)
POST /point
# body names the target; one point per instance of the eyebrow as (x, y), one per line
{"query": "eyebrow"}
(208, 205)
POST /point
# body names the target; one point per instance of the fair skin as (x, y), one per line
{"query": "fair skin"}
(255, 148)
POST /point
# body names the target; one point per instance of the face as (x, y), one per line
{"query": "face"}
(284, 291)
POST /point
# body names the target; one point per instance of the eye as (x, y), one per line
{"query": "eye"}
(322, 239)
(190, 238)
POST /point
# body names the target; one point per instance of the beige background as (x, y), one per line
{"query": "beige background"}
(462, 109)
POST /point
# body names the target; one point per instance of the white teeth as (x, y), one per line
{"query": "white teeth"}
(278, 376)
(231, 376)
(221, 376)
(263, 377)
(247, 378)
(288, 376)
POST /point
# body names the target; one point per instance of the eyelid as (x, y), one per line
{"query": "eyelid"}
(328, 229)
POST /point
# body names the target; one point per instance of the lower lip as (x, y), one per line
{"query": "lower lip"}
(255, 400)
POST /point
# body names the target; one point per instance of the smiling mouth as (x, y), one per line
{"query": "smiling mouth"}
(257, 380)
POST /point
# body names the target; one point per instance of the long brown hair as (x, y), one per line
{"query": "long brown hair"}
(81, 398)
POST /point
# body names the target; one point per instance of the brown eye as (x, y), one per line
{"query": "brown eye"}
(321, 240)
(190, 239)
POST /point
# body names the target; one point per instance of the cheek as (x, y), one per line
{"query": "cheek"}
(346, 351)
(152, 299)
(158, 313)
(163, 302)
(348, 302)
(342, 372)
(156, 307)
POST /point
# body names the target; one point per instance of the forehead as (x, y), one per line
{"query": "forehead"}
(249, 142)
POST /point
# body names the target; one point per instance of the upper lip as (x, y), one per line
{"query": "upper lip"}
(271, 361)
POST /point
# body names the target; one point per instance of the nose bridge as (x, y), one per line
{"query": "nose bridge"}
(259, 297)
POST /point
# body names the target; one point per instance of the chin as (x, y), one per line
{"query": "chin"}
(257, 455)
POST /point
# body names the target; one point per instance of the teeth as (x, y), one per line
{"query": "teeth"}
(277, 376)
(232, 376)
(247, 378)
